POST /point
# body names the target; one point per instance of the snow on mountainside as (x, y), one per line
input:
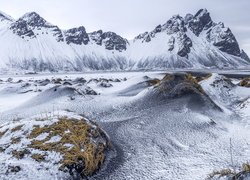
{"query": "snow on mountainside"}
(195, 41)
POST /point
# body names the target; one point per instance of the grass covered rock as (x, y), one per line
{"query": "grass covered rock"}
(67, 143)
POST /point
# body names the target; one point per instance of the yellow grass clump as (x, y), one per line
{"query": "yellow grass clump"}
(245, 82)
(77, 133)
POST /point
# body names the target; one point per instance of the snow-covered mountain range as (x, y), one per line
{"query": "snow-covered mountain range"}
(193, 41)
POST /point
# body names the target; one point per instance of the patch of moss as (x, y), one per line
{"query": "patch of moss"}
(79, 133)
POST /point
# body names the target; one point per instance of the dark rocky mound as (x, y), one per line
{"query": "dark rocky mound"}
(177, 85)
(181, 85)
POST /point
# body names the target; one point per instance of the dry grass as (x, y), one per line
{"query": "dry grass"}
(189, 78)
(38, 157)
(17, 128)
(15, 140)
(79, 134)
(200, 78)
(153, 82)
(168, 77)
(246, 167)
(20, 154)
(230, 173)
(245, 82)
(3, 133)
(221, 173)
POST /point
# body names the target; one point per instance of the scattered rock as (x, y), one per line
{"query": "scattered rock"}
(105, 84)
(9, 80)
(13, 169)
(44, 82)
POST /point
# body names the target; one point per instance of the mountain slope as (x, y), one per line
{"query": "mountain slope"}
(195, 41)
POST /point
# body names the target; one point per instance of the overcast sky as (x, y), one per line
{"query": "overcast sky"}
(129, 18)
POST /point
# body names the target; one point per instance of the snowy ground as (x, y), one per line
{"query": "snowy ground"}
(153, 139)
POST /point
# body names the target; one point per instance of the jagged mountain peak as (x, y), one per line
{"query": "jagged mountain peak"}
(35, 20)
(200, 21)
(77, 36)
(174, 25)
(223, 38)
(202, 13)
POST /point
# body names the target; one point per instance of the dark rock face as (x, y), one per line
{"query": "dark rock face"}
(244, 55)
(20, 28)
(174, 25)
(35, 20)
(77, 36)
(171, 43)
(30, 21)
(179, 35)
(96, 37)
(2, 16)
(224, 39)
(179, 39)
(111, 40)
(200, 21)
(5, 17)
(141, 36)
(57, 33)
(216, 33)
(114, 41)
(184, 46)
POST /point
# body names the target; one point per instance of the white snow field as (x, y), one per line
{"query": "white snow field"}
(156, 134)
